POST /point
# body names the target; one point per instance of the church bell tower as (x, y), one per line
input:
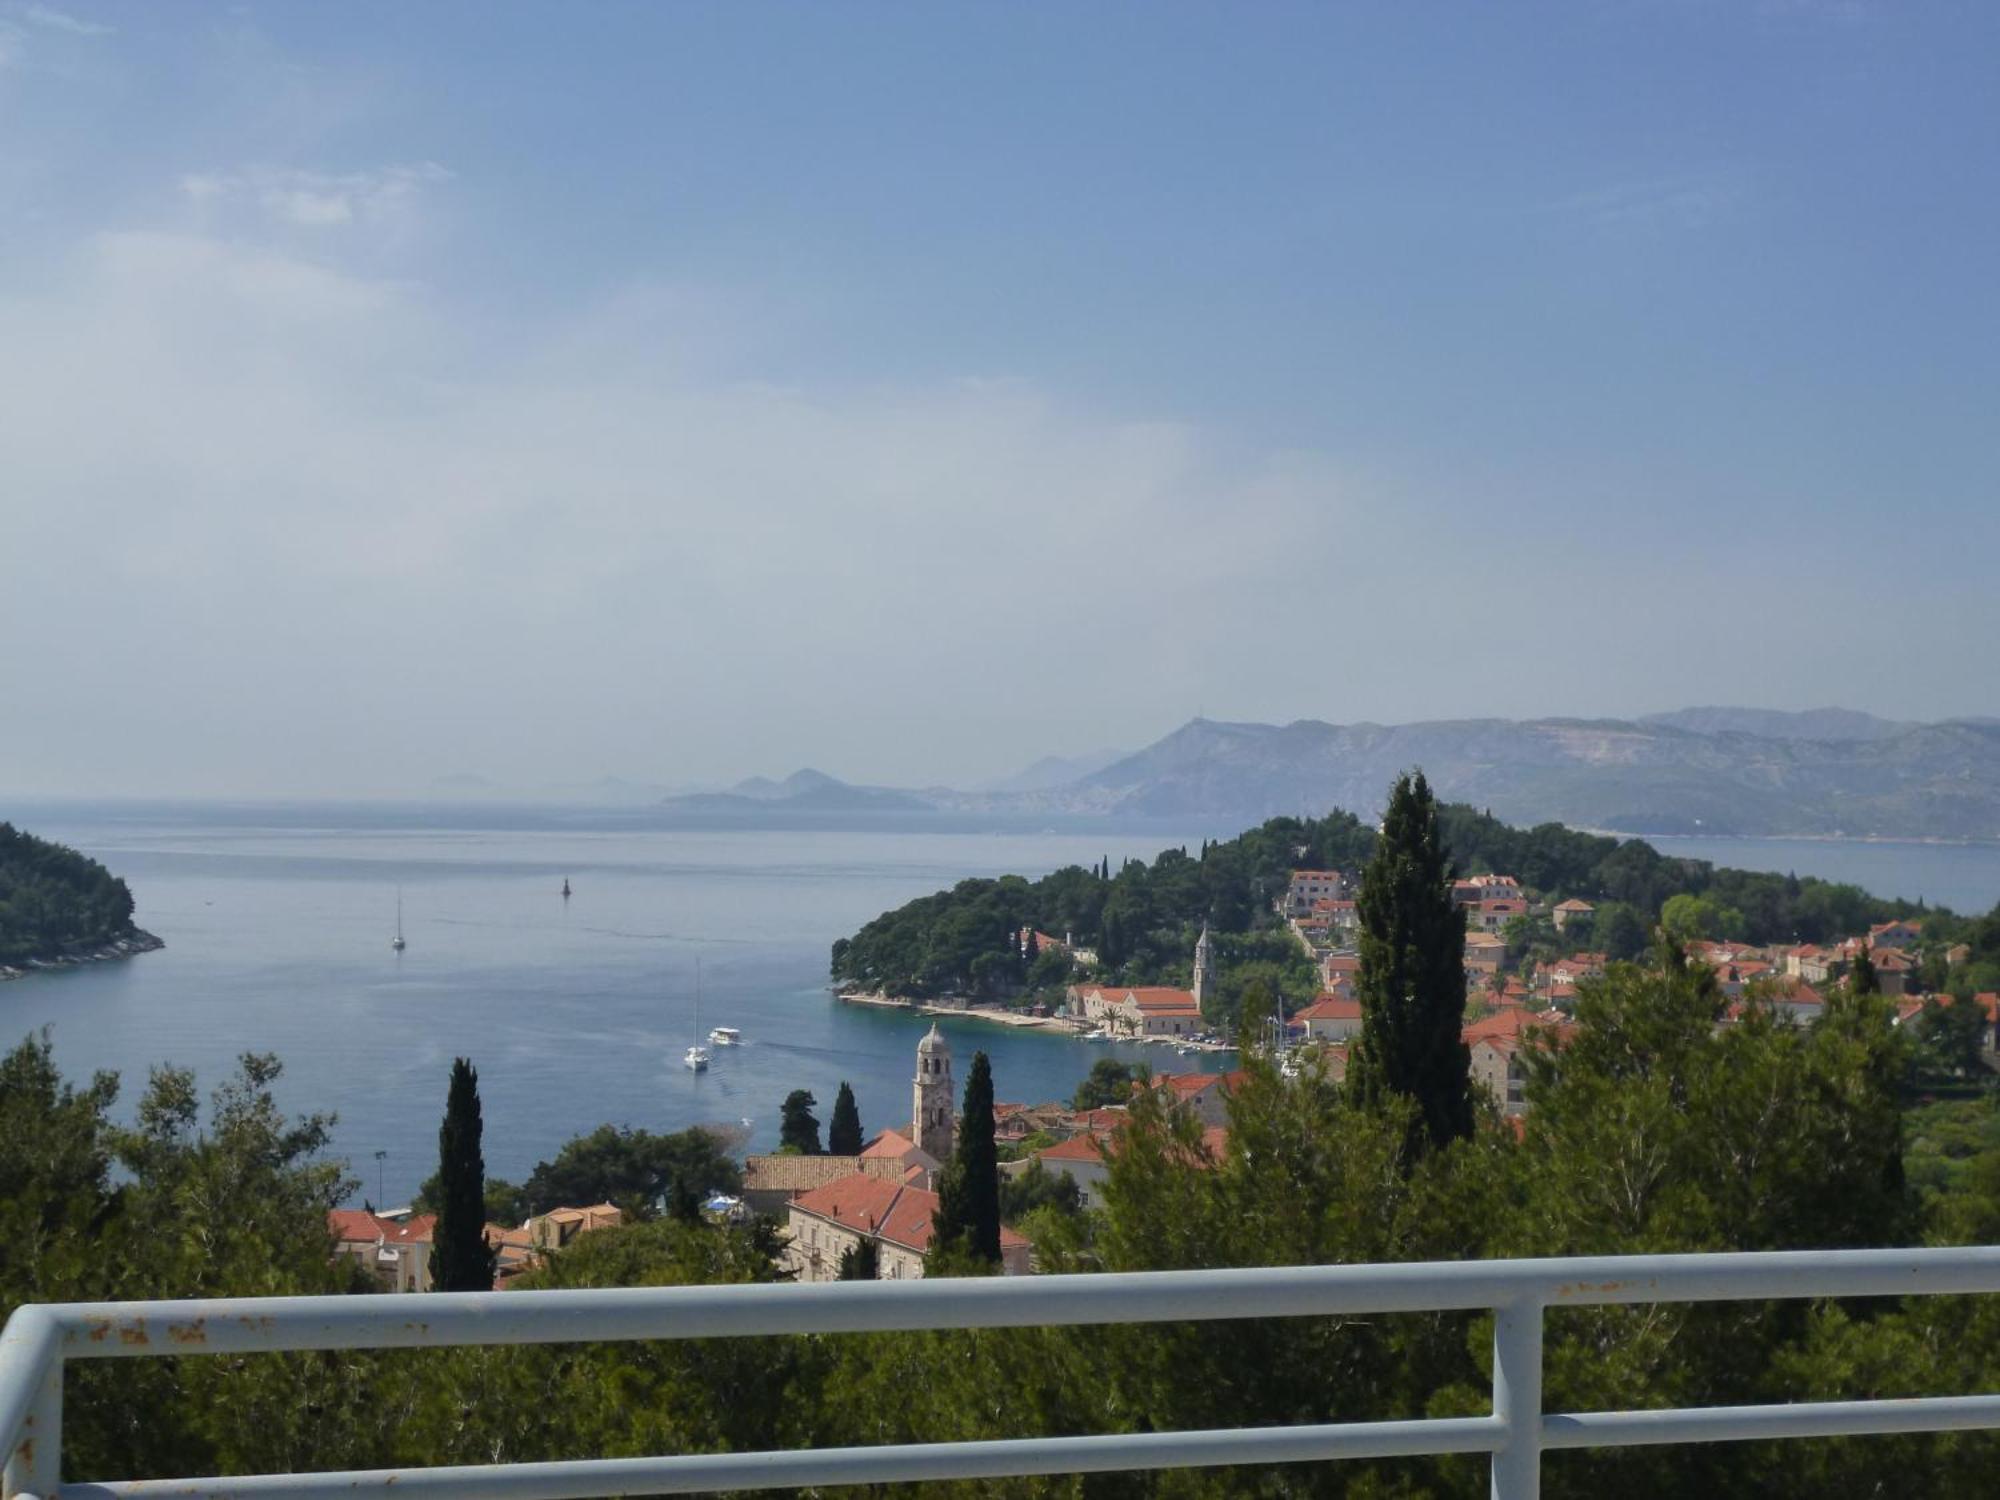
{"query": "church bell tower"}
(931, 1122)
(1204, 968)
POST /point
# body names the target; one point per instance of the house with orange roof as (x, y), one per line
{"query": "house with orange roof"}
(1497, 1043)
(1138, 1011)
(1901, 933)
(1331, 1018)
(1572, 910)
(826, 1223)
(1206, 1094)
(1484, 954)
(1493, 913)
(394, 1249)
(1308, 886)
(1338, 972)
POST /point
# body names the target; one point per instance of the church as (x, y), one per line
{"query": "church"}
(886, 1196)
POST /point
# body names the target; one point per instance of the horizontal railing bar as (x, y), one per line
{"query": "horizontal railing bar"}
(1731, 1424)
(249, 1325)
(837, 1466)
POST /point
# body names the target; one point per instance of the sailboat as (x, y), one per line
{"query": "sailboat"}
(565, 887)
(696, 1057)
(397, 941)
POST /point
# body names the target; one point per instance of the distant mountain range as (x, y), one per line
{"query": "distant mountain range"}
(1698, 770)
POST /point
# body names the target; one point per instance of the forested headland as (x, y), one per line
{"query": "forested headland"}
(1141, 919)
(57, 905)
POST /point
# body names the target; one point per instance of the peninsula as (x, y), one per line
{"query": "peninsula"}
(60, 907)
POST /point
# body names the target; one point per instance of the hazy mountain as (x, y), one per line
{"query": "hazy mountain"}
(1923, 780)
(1777, 724)
(1708, 770)
(805, 792)
(1054, 771)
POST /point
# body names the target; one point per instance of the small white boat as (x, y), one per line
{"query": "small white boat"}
(725, 1036)
(697, 1056)
(397, 941)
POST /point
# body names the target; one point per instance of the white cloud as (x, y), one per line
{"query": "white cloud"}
(58, 20)
(285, 477)
(311, 200)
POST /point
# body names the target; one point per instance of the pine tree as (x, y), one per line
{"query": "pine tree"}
(1411, 982)
(843, 1131)
(798, 1126)
(967, 1222)
(463, 1259)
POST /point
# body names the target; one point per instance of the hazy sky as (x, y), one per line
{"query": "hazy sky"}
(681, 391)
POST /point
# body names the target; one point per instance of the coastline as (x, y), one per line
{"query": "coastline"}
(998, 1015)
(1076, 1031)
(139, 941)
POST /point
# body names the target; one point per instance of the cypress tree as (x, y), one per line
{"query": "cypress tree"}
(1862, 978)
(798, 1126)
(1411, 982)
(967, 1222)
(843, 1131)
(463, 1259)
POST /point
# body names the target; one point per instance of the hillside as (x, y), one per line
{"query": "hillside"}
(57, 905)
(1863, 778)
(1142, 918)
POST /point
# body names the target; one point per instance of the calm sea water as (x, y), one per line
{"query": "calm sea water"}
(575, 1013)
(1965, 877)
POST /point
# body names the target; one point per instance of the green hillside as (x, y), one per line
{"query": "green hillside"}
(56, 903)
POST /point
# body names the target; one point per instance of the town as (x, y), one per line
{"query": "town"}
(869, 1211)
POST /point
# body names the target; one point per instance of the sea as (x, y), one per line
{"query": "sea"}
(278, 920)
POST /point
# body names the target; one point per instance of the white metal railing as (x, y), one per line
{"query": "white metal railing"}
(40, 1339)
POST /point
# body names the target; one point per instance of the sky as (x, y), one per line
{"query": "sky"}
(680, 392)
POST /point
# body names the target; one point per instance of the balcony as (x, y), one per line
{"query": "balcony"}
(40, 1340)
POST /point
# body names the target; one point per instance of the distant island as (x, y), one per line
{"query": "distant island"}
(1825, 773)
(60, 907)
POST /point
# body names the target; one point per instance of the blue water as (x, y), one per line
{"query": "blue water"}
(1964, 877)
(575, 1013)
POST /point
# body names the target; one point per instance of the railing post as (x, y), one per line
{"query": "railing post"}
(35, 1465)
(1517, 1400)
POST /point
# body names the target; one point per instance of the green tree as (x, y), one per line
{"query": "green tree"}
(843, 1132)
(506, 1202)
(463, 1259)
(643, 1173)
(1035, 1189)
(861, 1261)
(967, 1223)
(1862, 978)
(1109, 1082)
(1411, 981)
(1620, 932)
(798, 1126)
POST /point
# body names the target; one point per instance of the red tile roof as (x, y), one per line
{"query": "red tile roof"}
(891, 1211)
(1331, 1008)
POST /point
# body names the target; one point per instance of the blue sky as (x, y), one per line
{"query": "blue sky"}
(681, 391)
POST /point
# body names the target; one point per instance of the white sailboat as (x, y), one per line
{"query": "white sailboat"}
(397, 942)
(696, 1057)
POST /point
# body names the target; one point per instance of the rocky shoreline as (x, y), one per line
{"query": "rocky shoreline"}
(132, 944)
